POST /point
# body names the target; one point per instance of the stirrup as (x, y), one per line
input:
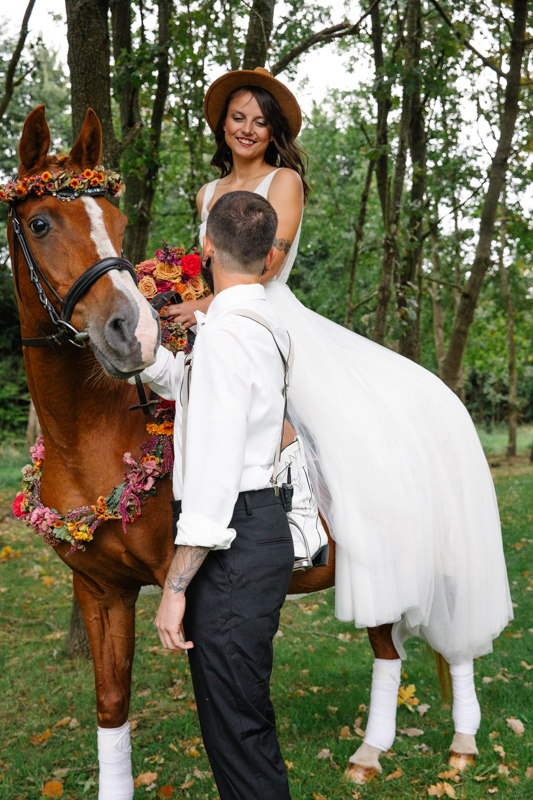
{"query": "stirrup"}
(320, 559)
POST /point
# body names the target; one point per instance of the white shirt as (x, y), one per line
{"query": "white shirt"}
(235, 413)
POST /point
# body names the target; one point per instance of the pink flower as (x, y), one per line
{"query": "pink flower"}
(128, 460)
(164, 286)
(37, 451)
(17, 505)
(42, 519)
(191, 265)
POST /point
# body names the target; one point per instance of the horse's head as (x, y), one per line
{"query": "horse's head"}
(66, 239)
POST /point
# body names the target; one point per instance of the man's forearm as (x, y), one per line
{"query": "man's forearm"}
(185, 564)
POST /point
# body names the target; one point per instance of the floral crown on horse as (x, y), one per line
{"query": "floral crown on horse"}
(65, 185)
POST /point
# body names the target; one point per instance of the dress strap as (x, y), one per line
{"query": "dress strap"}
(208, 196)
(264, 186)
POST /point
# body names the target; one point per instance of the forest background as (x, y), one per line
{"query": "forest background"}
(417, 232)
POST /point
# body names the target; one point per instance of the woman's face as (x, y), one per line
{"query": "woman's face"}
(246, 131)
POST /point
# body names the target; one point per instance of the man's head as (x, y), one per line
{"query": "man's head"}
(240, 231)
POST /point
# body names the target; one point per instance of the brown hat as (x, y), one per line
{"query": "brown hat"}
(218, 92)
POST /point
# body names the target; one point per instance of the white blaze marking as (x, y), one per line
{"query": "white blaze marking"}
(146, 330)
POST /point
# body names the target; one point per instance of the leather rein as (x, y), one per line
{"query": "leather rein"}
(66, 332)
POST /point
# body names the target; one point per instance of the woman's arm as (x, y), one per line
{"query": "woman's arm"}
(286, 195)
(184, 312)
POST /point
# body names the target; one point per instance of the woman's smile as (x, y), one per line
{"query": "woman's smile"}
(246, 127)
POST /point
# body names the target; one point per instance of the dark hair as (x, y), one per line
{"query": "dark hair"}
(242, 226)
(283, 151)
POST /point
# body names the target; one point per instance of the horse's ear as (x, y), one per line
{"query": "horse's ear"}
(87, 151)
(34, 142)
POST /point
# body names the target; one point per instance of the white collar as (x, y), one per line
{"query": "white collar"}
(233, 297)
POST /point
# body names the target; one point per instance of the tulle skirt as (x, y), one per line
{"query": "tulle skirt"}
(404, 486)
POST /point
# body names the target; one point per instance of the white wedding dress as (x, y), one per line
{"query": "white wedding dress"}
(401, 480)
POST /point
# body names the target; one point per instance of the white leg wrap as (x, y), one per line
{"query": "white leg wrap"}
(381, 726)
(114, 756)
(466, 711)
(308, 534)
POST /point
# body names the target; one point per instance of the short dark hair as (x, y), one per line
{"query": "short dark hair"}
(242, 227)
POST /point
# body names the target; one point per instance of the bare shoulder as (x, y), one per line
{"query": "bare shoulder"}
(287, 180)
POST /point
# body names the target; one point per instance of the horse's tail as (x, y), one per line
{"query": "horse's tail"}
(445, 678)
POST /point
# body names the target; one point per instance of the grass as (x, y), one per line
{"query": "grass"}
(320, 686)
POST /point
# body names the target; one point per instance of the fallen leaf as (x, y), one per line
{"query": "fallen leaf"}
(144, 779)
(515, 781)
(499, 749)
(503, 770)
(61, 773)
(492, 790)
(52, 789)
(187, 784)
(486, 679)
(493, 735)
(315, 689)
(333, 709)
(480, 778)
(527, 666)
(412, 732)
(360, 732)
(289, 764)
(529, 772)
(396, 774)
(449, 774)
(165, 792)
(64, 721)
(516, 725)
(345, 733)
(356, 796)
(406, 696)
(40, 738)
(441, 789)
(423, 708)
(325, 753)
(318, 796)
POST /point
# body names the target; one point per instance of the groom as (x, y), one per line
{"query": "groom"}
(234, 555)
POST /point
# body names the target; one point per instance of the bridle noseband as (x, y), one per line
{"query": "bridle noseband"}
(66, 331)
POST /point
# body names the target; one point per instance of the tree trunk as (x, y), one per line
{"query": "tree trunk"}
(139, 197)
(258, 36)
(88, 61)
(77, 643)
(350, 305)
(511, 350)
(33, 429)
(467, 304)
(10, 82)
(392, 217)
(408, 295)
(382, 96)
(438, 311)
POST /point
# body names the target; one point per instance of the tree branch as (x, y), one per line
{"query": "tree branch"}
(10, 73)
(321, 37)
(465, 41)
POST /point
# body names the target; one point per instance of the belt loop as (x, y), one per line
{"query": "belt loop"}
(247, 503)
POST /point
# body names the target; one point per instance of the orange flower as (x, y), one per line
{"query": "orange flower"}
(3, 196)
(46, 176)
(100, 176)
(147, 287)
(94, 181)
(88, 174)
(180, 287)
(74, 182)
(188, 294)
(167, 272)
(197, 285)
(163, 429)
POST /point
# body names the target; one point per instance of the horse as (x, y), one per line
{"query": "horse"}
(76, 289)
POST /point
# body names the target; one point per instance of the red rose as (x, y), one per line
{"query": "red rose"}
(190, 265)
(17, 505)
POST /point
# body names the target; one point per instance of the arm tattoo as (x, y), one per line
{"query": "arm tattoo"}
(282, 244)
(186, 563)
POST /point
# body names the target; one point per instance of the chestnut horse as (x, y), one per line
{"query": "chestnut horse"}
(83, 408)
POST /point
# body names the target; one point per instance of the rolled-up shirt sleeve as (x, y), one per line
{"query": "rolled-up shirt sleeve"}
(224, 379)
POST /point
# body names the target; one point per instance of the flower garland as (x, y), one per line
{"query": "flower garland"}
(90, 180)
(157, 457)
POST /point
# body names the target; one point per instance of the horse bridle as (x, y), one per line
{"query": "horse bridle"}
(66, 331)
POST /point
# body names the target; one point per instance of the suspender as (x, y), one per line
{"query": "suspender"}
(287, 363)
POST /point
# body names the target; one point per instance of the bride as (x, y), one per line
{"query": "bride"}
(394, 459)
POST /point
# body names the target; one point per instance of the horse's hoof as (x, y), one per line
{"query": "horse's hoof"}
(359, 774)
(461, 761)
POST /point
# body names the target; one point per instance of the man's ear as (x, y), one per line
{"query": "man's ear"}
(207, 247)
(269, 259)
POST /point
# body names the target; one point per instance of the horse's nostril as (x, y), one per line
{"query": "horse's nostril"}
(120, 333)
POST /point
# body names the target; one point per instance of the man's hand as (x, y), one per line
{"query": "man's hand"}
(184, 312)
(185, 564)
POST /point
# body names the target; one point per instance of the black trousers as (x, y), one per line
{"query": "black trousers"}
(232, 614)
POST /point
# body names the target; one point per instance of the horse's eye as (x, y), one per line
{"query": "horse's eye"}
(39, 226)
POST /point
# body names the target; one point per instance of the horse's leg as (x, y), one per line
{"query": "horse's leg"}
(466, 715)
(381, 725)
(110, 623)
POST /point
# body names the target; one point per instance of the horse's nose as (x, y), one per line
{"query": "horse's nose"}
(120, 333)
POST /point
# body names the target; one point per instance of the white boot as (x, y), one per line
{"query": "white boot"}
(308, 533)
(114, 756)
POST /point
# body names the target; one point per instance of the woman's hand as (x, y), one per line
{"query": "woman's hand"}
(184, 312)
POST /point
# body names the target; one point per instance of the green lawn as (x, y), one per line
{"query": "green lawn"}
(320, 687)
